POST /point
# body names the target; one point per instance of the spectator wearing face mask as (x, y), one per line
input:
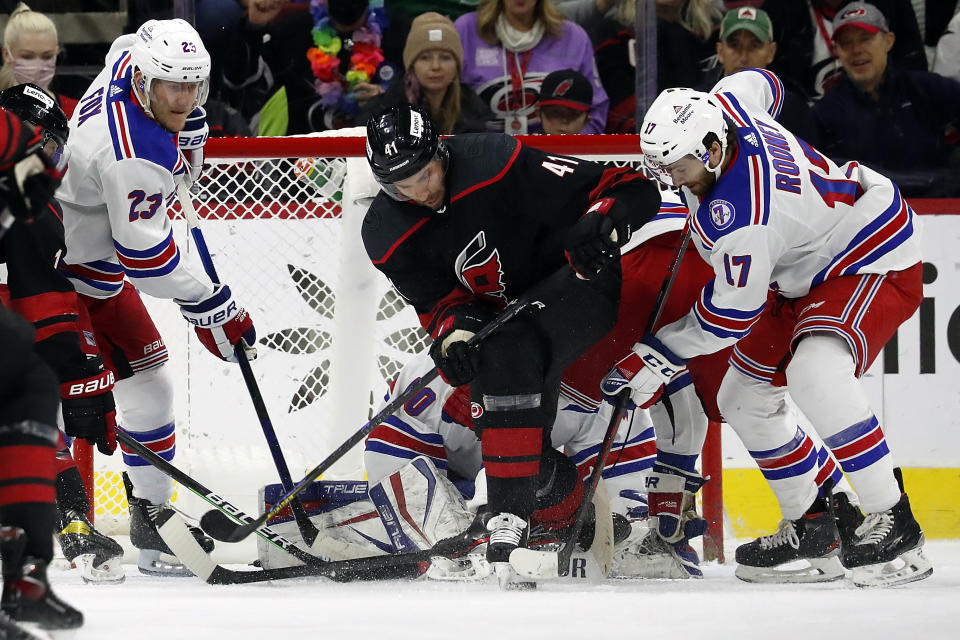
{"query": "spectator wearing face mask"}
(30, 49)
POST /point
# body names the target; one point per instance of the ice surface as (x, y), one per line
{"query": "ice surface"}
(717, 607)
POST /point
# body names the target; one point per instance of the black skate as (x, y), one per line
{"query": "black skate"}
(811, 541)
(848, 516)
(10, 630)
(156, 558)
(887, 548)
(507, 532)
(27, 596)
(97, 557)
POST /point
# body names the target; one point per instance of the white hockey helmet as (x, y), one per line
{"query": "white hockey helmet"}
(676, 125)
(170, 50)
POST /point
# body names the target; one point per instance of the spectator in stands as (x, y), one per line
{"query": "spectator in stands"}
(300, 72)
(565, 100)
(946, 60)
(685, 44)
(586, 13)
(746, 42)
(433, 59)
(30, 48)
(805, 50)
(510, 46)
(885, 116)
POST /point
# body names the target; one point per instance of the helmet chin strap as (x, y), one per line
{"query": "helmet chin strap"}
(716, 170)
(142, 93)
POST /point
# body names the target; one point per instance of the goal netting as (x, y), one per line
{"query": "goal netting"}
(281, 218)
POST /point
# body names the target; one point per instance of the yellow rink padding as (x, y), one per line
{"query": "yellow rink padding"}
(753, 510)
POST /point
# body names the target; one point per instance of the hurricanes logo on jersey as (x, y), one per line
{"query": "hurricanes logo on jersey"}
(478, 268)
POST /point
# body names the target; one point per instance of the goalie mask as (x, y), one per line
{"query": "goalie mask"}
(170, 50)
(680, 123)
(32, 104)
(400, 142)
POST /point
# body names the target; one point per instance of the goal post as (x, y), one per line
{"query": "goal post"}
(282, 220)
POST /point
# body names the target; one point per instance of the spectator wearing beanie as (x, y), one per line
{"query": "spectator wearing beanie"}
(433, 61)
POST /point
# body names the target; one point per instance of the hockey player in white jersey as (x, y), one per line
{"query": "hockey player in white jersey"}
(124, 169)
(815, 266)
(423, 462)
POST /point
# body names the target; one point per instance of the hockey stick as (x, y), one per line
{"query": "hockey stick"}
(307, 529)
(226, 530)
(364, 568)
(553, 564)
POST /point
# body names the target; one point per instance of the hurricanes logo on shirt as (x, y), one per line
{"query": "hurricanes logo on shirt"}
(721, 213)
(478, 268)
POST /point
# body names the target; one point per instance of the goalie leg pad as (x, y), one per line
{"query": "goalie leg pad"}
(419, 506)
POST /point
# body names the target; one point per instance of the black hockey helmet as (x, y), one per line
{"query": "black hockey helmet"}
(32, 104)
(401, 141)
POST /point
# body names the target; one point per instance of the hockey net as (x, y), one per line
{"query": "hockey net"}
(331, 331)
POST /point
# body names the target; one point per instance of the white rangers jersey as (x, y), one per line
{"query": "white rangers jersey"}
(124, 168)
(784, 218)
(425, 427)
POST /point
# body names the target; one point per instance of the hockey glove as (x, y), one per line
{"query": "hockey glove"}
(88, 408)
(191, 141)
(595, 240)
(220, 324)
(457, 361)
(646, 370)
(27, 188)
(670, 493)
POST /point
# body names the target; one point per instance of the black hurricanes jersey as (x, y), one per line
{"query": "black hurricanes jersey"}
(508, 207)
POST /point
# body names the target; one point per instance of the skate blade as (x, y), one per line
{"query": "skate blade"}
(815, 570)
(109, 571)
(510, 580)
(908, 567)
(649, 566)
(472, 568)
(156, 563)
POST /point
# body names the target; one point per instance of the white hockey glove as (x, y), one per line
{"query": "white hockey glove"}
(670, 493)
(191, 141)
(221, 323)
(649, 366)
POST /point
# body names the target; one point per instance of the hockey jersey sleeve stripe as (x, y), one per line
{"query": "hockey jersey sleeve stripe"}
(150, 263)
(120, 131)
(725, 323)
(882, 235)
(647, 435)
(496, 178)
(776, 86)
(93, 277)
(727, 101)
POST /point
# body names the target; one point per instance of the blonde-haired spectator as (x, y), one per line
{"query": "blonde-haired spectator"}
(30, 48)
(433, 61)
(509, 47)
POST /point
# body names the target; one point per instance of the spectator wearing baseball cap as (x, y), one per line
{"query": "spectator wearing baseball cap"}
(893, 119)
(564, 104)
(746, 42)
(433, 62)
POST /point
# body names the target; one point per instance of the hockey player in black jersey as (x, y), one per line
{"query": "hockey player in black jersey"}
(36, 290)
(28, 409)
(466, 224)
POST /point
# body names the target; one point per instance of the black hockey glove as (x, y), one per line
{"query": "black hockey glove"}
(458, 362)
(89, 411)
(589, 246)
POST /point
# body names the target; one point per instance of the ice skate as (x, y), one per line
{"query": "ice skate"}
(10, 630)
(27, 596)
(97, 557)
(887, 548)
(156, 558)
(801, 550)
(507, 532)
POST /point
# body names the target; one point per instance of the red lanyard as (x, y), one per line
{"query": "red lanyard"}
(823, 32)
(516, 80)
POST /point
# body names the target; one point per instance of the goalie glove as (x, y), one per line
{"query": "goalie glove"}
(88, 408)
(221, 324)
(670, 494)
(458, 362)
(649, 366)
(191, 141)
(595, 240)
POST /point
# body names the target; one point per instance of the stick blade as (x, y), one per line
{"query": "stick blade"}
(219, 526)
(539, 565)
